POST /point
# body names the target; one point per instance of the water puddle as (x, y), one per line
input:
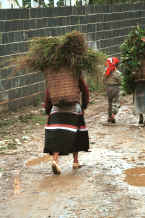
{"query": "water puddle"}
(38, 161)
(135, 176)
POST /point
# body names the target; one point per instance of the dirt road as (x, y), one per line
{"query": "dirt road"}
(110, 185)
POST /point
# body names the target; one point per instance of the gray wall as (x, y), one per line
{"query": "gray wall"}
(106, 27)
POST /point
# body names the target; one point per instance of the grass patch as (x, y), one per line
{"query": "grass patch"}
(11, 146)
(6, 123)
(38, 119)
(34, 118)
(3, 148)
(24, 118)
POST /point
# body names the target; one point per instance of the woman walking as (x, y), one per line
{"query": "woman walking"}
(65, 131)
(112, 81)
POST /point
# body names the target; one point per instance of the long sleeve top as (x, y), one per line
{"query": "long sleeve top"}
(84, 96)
(113, 79)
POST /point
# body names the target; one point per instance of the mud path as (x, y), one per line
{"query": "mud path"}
(110, 185)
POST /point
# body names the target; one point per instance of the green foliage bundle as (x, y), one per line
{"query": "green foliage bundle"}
(94, 60)
(72, 51)
(132, 56)
(54, 52)
(94, 67)
(40, 55)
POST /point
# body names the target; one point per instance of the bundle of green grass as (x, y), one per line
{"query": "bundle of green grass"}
(68, 50)
(132, 59)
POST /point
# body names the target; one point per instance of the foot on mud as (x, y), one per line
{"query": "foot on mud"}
(55, 168)
(76, 166)
(111, 120)
(140, 122)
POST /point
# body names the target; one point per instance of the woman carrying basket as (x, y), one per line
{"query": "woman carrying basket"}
(112, 81)
(139, 92)
(65, 131)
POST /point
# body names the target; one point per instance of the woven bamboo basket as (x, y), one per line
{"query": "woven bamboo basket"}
(62, 86)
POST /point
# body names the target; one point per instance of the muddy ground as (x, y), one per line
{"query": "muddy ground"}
(111, 184)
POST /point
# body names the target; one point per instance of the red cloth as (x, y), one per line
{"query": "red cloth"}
(85, 93)
(48, 105)
(111, 64)
(83, 89)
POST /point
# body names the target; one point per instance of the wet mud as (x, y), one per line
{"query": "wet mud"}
(135, 176)
(111, 184)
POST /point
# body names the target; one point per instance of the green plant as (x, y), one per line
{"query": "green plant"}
(11, 146)
(3, 148)
(60, 3)
(26, 3)
(51, 4)
(38, 119)
(132, 57)
(25, 117)
(68, 50)
(6, 122)
(41, 53)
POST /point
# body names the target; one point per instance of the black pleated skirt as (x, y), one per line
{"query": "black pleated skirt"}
(66, 133)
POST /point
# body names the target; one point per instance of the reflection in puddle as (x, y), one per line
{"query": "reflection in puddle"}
(16, 185)
(38, 160)
(135, 176)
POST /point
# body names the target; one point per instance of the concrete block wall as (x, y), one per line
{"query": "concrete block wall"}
(105, 26)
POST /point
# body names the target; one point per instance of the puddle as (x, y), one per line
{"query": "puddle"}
(135, 176)
(38, 161)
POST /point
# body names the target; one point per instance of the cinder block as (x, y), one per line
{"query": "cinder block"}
(62, 30)
(84, 28)
(75, 20)
(5, 71)
(2, 25)
(83, 19)
(4, 84)
(3, 97)
(91, 18)
(92, 36)
(67, 11)
(52, 22)
(36, 12)
(100, 17)
(78, 10)
(91, 27)
(3, 14)
(107, 25)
